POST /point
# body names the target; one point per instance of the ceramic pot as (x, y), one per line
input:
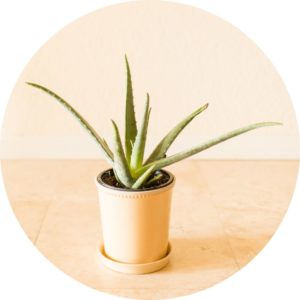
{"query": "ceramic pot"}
(135, 224)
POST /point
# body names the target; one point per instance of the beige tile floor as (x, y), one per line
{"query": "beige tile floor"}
(223, 213)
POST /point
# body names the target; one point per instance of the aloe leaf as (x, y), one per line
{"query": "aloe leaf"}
(164, 162)
(106, 147)
(117, 178)
(120, 164)
(108, 153)
(161, 149)
(130, 121)
(153, 180)
(143, 178)
(138, 150)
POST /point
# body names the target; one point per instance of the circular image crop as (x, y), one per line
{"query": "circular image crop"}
(197, 168)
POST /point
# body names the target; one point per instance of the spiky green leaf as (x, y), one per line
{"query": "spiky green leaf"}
(138, 150)
(130, 121)
(154, 179)
(106, 148)
(120, 164)
(164, 162)
(117, 178)
(108, 153)
(143, 178)
(162, 148)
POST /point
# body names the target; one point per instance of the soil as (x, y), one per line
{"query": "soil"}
(109, 178)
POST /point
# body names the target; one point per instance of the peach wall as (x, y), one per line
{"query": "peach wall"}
(182, 56)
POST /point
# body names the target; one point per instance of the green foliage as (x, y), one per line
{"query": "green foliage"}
(102, 143)
(130, 122)
(130, 168)
(120, 164)
(161, 149)
(138, 149)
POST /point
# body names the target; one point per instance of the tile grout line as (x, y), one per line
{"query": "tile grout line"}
(42, 223)
(226, 236)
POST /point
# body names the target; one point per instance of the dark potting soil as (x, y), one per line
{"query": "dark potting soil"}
(109, 178)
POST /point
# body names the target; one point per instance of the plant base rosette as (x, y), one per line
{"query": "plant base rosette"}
(135, 226)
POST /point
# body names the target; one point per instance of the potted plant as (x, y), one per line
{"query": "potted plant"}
(135, 194)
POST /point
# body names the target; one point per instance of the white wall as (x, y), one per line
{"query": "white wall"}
(183, 57)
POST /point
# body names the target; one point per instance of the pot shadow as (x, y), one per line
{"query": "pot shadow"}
(198, 254)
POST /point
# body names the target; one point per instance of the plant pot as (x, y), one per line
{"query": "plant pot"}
(135, 226)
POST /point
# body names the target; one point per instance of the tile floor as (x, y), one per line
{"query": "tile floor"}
(223, 213)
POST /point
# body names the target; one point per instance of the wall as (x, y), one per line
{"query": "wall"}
(183, 57)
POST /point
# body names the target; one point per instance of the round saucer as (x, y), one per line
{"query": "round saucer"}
(134, 268)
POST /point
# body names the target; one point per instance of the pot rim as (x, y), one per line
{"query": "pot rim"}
(169, 184)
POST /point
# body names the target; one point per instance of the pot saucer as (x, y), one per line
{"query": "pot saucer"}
(134, 268)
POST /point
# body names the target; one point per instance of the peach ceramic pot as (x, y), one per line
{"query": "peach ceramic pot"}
(135, 226)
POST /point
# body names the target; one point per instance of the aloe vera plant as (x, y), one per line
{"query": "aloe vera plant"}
(130, 168)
